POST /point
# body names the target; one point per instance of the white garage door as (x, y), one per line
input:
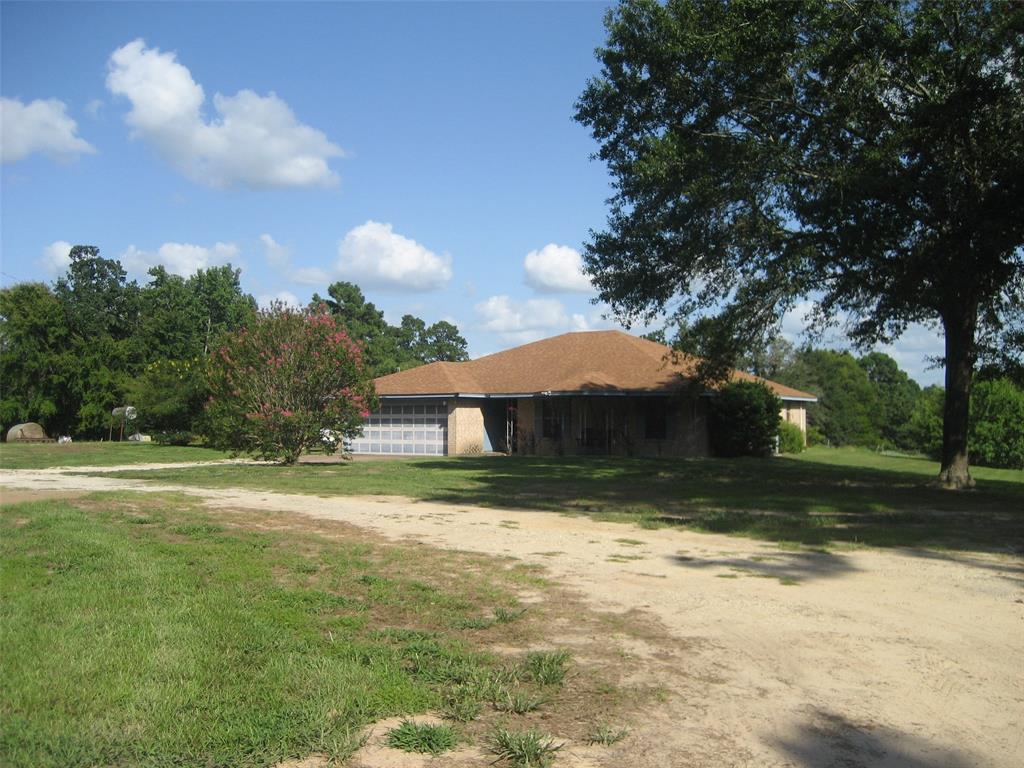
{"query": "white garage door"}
(410, 428)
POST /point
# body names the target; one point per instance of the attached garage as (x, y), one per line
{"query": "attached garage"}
(409, 427)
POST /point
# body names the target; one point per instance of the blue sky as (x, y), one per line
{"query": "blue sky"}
(424, 151)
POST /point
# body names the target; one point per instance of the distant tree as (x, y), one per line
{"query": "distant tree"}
(868, 156)
(97, 297)
(896, 394)
(278, 383)
(173, 324)
(847, 411)
(103, 316)
(410, 336)
(366, 325)
(223, 305)
(388, 348)
(769, 361)
(745, 419)
(36, 368)
(443, 342)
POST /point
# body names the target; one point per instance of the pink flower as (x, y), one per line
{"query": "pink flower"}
(286, 413)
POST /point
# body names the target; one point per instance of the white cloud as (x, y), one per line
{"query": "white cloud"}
(276, 254)
(555, 268)
(375, 256)
(518, 322)
(55, 258)
(42, 125)
(913, 349)
(264, 300)
(797, 319)
(255, 141)
(179, 258)
(93, 108)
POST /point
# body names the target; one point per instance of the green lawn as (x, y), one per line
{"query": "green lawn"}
(41, 455)
(823, 496)
(140, 630)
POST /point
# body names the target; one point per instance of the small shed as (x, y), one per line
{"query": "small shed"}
(29, 432)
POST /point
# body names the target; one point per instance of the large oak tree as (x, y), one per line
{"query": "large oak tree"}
(866, 155)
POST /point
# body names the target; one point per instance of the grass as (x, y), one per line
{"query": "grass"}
(524, 749)
(821, 497)
(139, 631)
(606, 735)
(41, 455)
(517, 701)
(411, 736)
(546, 667)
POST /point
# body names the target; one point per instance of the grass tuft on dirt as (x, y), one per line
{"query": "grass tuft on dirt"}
(524, 749)
(426, 738)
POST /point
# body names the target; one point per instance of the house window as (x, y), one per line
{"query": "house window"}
(656, 418)
(555, 414)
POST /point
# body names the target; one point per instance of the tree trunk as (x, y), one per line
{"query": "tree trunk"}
(960, 327)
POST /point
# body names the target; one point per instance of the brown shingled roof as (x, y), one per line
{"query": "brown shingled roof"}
(588, 361)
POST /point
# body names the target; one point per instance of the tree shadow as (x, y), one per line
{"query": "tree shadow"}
(809, 503)
(787, 567)
(1012, 570)
(829, 740)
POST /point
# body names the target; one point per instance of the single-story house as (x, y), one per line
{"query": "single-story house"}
(593, 392)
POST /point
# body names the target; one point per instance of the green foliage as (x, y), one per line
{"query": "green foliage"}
(896, 394)
(69, 355)
(278, 383)
(169, 395)
(411, 736)
(847, 411)
(868, 157)
(744, 420)
(36, 370)
(924, 430)
(791, 439)
(997, 424)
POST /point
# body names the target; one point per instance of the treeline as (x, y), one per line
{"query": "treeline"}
(869, 401)
(93, 340)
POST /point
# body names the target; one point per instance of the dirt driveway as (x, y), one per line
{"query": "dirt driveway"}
(778, 658)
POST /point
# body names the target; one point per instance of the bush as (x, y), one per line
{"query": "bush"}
(181, 437)
(277, 384)
(791, 438)
(924, 432)
(744, 419)
(815, 436)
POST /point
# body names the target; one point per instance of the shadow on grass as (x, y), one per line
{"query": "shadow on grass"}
(828, 739)
(804, 502)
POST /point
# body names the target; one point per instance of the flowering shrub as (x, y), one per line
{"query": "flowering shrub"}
(278, 384)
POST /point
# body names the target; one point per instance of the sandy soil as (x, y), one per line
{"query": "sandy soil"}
(851, 658)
